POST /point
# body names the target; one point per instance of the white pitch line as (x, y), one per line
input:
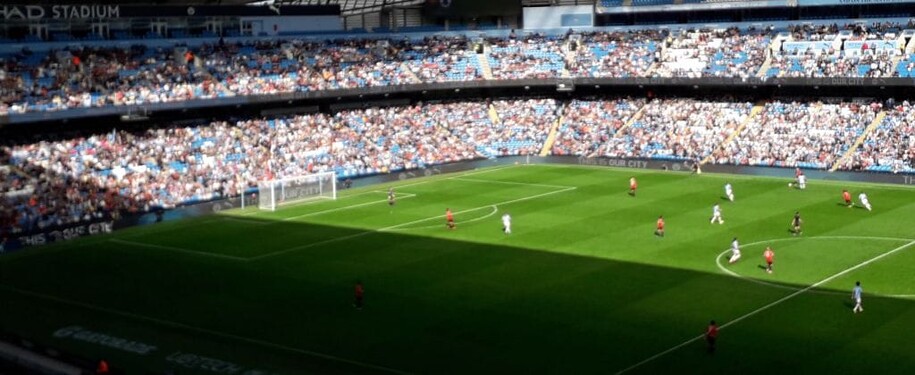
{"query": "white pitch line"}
(471, 173)
(367, 232)
(244, 220)
(770, 305)
(724, 175)
(794, 288)
(341, 196)
(223, 335)
(507, 182)
(176, 249)
(899, 295)
(425, 180)
(402, 196)
(145, 230)
(493, 212)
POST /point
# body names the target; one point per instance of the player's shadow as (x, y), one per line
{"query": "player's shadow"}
(760, 266)
(701, 347)
(724, 198)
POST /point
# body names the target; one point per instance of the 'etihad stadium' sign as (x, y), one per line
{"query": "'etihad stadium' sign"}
(38, 12)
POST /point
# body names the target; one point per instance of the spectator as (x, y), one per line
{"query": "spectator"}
(891, 146)
(802, 134)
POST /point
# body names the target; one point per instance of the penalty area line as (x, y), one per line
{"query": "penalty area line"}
(447, 176)
(464, 222)
(340, 196)
(508, 182)
(397, 185)
(769, 306)
(244, 220)
(402, 196)
(223, 335)
(397, 226)
(176, 249)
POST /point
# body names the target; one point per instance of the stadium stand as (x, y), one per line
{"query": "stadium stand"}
(53, 182)
(78, 178)
(724, 53)
(88, 77)
(532, 57)
(891, 146)
(802, 134)
(677, 129)
(616, 54)
(830, 51)
(589, 124)
(520, 129)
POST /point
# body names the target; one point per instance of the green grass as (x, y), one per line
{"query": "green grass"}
(581, 286)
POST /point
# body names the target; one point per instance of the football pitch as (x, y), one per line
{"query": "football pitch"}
(582, 285)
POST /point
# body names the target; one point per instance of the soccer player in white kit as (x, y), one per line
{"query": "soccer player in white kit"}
(801, 181)
(735, 251)
(864, 202)
(716, 214)
(856, 295)
(507, 223)
(729, 191)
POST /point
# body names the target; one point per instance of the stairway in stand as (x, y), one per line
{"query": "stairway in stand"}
(851, 150)
(483, 59)
(757, 109)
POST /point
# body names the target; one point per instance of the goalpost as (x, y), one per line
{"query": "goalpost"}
(275, 193)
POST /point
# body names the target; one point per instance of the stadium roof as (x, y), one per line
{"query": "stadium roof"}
(221, 2)
(138, 2)
(347, 7)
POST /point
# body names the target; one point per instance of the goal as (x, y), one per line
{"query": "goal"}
(275, 193)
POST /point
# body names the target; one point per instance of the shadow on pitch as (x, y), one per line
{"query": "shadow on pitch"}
(432, 299)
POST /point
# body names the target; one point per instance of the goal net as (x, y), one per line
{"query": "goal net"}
(275, 193)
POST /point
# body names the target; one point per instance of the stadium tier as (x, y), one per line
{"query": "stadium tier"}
(89, 77)
(50, 183)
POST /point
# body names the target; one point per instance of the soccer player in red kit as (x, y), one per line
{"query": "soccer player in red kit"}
(633, 184)
(102, 368)
(660, 231)
(449, 218)
(847, 197)
(770, 258)
(358, 293)
(711, 334)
